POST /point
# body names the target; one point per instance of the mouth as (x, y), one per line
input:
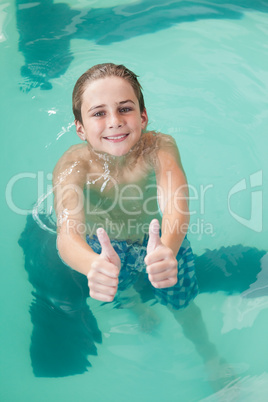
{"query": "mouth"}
(116, 138)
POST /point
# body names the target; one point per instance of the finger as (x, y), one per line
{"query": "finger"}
(159, 254)
(104, 267)
(160, 266)
(102, 279)
(107, 251)
(101, 297)
(162, 276)
(168, 283)
(105, 290)
(154, 238)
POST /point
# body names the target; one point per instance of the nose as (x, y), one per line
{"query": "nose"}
(115, 121)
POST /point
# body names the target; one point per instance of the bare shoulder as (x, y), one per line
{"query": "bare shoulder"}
(159, 141)
(73, 161)
(166, 149)
(166, 142)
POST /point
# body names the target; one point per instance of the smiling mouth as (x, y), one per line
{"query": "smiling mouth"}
(116, 138)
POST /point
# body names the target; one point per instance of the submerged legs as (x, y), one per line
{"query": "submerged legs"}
(194, 329)
(220, 373)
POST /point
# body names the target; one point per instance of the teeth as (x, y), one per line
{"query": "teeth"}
(116, 138)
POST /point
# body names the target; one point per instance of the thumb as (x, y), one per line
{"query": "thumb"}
(108, 252)
(154, 238)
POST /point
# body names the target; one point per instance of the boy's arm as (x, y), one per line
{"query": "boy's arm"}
(102, 270)
(172, 195)
(69, 177)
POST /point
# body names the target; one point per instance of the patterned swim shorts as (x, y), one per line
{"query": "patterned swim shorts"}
(132, 264)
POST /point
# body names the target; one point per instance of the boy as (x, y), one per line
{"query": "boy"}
(112, 192)
(119, 169)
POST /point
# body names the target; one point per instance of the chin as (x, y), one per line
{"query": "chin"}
(120, 152)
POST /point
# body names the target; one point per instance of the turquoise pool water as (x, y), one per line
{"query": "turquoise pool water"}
(203, 67)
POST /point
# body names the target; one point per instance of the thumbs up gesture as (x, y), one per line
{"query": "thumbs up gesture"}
(162, 266)
(104, 271)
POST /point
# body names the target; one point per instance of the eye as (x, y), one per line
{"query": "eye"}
(98, 114)
(125, 109)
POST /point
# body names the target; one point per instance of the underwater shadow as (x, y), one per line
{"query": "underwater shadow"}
(65, 330)
(46, 29)
(233, 270)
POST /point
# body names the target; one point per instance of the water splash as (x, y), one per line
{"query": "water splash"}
(36, 212)
(64, 130)
(3, 16)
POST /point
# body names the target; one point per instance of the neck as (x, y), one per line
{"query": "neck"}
(112, 162)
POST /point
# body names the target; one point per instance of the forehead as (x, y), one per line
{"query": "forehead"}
(108, 90)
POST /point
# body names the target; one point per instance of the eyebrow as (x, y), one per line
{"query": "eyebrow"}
(126, 101)
(103, 105)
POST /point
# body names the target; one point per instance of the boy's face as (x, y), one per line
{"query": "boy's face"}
(112, 121)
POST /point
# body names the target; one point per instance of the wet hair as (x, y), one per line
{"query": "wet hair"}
(102, 71)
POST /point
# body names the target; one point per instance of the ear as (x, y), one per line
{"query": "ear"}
(80, 130)
(144, 119)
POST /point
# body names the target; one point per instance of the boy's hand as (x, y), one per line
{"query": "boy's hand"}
(162, 266)
(104, 271)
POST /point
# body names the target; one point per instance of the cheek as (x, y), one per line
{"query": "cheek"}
(94, 125)
(136, 122)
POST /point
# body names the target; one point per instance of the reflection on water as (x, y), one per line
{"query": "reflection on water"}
(46, 29)
(242, 310)
(65, 331)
